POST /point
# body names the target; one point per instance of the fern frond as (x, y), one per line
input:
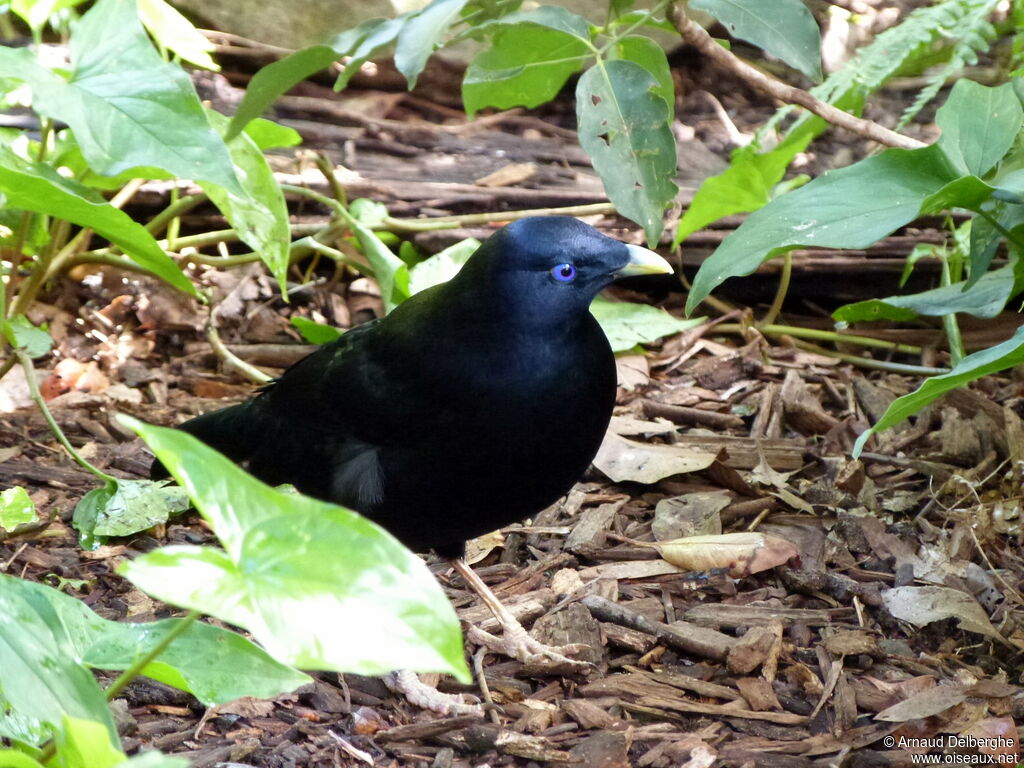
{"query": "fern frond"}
(960, 24)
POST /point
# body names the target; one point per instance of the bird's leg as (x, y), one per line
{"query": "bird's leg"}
(427, 697)
(515, 640)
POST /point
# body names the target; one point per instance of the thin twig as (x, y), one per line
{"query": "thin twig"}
(694, 34)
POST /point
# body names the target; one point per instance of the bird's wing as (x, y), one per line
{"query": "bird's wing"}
(365, 386)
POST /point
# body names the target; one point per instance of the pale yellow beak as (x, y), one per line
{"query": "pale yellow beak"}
(644, 262)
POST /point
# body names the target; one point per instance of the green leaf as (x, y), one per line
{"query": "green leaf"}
(126, 105)
(36, 342)
(744, 186)
(421, 33)
(985, 236)
(364, 41)
(275, 79)
(86, 744)
(129, 507)
(257, 211)
(985, 299)
(316, 333)
(37, 12)
(11, 758)
(270, 135)
(979, 125)
(442, 266)
(174, 32)
(623, 127)
(627, 324)
(41, 679)
(369, 212)
(16, 508)
(391, 273)
(526, 65)
(651, 56)
(783, 28)
(39, 188)
(550, 16)
(987, 361)
(966, 192)
(215, 665)
(319, 586)
(848, 208)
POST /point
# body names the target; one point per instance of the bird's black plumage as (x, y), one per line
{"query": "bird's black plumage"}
(474, 404)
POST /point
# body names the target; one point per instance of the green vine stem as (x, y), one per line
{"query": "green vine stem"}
(781, 291)
(230, 359)
(832, 336)
(867, 362)
(37, 397)
(140, 663)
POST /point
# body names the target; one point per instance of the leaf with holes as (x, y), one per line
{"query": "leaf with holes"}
(623, 127)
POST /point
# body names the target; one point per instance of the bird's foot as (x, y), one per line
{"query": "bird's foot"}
(428, 697)
(517, 643)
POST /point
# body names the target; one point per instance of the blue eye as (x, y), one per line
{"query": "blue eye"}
(564, 273)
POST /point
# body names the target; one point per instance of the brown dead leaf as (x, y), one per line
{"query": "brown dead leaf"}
(923, 605)
(507, 176)
(633, 371)
(923, 704)
(247, 706)
(480, 547)
(625, 460)
(741, 553)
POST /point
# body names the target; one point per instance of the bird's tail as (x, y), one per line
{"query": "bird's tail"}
(232, 431)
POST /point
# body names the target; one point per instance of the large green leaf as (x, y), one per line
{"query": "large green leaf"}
(127, 106)
(421, 33)
(987, 361)
(41, 677)
(979, 125)
(526, 64)
(215, 665)
(986, 298)
(784, 28)
(319, 586)
(623, 127)
(257, 211)
(848, 208)
(275, 79)
(41, 189)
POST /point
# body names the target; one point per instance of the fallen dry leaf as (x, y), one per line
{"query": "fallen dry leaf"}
(741, 553)
(625, 460)
(923, 704)
(923, 605)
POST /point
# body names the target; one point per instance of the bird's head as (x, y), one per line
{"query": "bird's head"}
(549, 269)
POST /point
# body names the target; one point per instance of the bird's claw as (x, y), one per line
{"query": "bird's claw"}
(426, 696)
(518, 644)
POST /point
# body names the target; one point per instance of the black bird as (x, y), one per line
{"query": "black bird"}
(474, 404)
